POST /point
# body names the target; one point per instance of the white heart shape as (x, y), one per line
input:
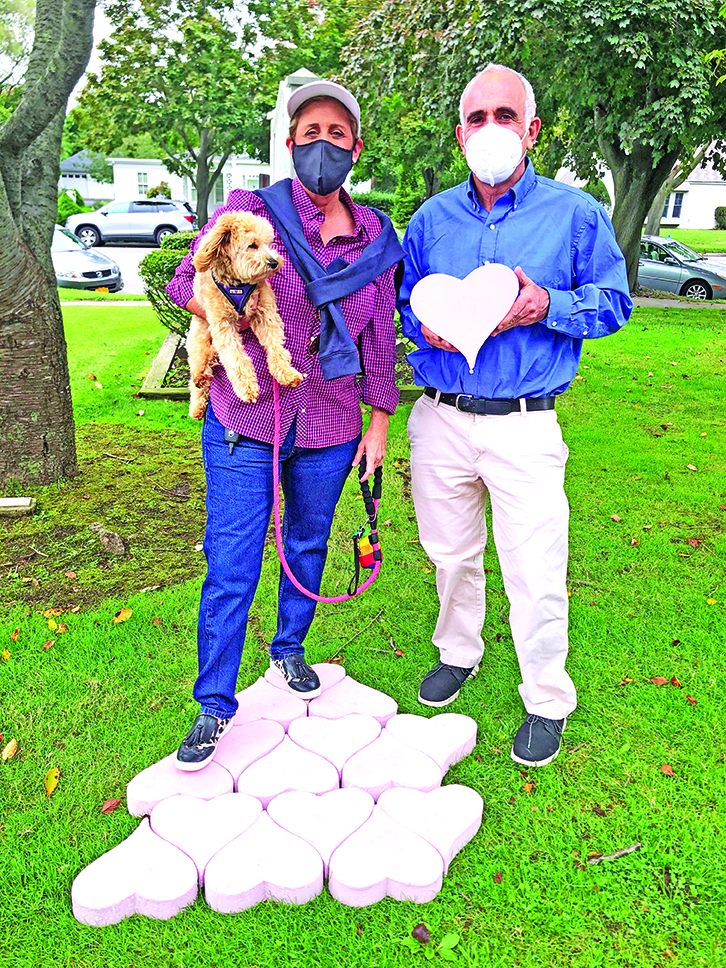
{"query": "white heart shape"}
(202, 827)
(324, 821)
(263, 862)
(447, 817)
(162, 780)
(384, 859)
(288, 767)
(446, 738)
(263, 701)
(329, 676)
(465, 311)
(337, 740)
(242, 746)
(350, 696)
(387, 763)
(142, 875)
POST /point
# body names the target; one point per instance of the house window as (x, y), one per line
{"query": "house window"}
(665, 207)
(143, 182)
(677, 204)
(219, 191)
(263, 181)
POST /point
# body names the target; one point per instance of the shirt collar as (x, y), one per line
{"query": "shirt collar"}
(519, 190)
(309, 212)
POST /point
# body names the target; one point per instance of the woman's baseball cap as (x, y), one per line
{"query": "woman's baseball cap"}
(323, 89)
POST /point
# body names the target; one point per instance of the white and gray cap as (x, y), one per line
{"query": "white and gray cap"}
(323, 89)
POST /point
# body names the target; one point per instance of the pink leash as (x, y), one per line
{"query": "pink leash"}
(278, 527)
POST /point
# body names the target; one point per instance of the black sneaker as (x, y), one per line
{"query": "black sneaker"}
(443, 684)
(298, 675)
(200, 744)
(538, 741)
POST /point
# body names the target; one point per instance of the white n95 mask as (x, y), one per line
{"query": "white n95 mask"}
(493, 152)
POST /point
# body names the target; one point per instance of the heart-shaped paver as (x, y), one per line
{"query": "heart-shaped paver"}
(388, 763)
(447, 817)
(350, 696)
(143, 875)
(264, 862)
(328, 674)
(382, 859)
(163, 779)
(244, 745)
(263, 701)
(336, 740)
(287, 767)
(465, 311)
(324, 821)
(202, 827)
(446, 738)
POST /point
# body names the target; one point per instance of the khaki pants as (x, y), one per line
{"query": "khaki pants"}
(457, 459)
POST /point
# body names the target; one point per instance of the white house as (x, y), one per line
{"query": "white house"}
(74, 174)
(280, 160)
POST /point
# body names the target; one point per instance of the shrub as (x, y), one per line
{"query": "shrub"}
(380, 200)
(162, 190)
(720, 216)
(410, 195)
(599, 192)
(157, 270)
(70, 202)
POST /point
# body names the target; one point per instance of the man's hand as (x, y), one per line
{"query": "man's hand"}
(531, 305)
(437, 341)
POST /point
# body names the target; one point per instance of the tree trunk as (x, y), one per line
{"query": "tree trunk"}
(203, 186)
(655, 213)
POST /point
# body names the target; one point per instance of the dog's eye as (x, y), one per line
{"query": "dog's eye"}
(253, 246)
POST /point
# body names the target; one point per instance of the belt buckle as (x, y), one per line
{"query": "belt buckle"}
(466, 396)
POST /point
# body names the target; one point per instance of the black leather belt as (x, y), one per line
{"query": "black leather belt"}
(495, 408)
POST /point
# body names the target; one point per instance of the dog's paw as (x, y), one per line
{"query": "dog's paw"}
(197, 410)
(288, 377)
(248, 392)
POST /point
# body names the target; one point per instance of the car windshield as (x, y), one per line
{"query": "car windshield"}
(65, 241)
(681, 250)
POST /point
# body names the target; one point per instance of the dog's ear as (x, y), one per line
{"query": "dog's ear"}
(214, 243)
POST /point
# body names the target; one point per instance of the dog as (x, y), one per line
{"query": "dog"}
(235, 252)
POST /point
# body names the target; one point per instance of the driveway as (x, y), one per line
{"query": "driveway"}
(128, 258)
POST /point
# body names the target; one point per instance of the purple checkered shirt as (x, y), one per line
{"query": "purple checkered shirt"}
(328, 412)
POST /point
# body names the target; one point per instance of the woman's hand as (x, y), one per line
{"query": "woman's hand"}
(243, 322)
(373, 442)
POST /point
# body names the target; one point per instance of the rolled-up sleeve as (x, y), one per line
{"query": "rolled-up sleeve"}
(378, 348)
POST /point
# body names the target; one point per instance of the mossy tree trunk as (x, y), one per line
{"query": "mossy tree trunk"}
(37, 434)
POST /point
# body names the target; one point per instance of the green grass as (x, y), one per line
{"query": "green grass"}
(90, 295)
(702, 240)
(107, 700)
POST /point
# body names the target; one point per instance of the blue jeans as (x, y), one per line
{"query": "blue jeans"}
(239, 504)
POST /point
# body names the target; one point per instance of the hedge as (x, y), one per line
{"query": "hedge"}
(720, 216)
(380, 200)
(157, 269)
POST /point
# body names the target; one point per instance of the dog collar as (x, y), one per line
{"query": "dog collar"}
(237, 294)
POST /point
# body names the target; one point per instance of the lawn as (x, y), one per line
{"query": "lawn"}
(646, 428)
(91, 295)
(702, 240)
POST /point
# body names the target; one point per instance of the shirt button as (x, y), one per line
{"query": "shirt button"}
(515, 204)
(584, 332)
(554, 324)
(302, 410)
(491, 227)
(487, 262)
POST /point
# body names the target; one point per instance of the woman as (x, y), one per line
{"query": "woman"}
(327, 240)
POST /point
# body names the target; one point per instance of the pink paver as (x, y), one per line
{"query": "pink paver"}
(202, 827)
(350, 696)
(264, 862)
(447, 818)
(288, 767)
(382, 859)
(263, 701)
(387, 763)
(143, 875)
(324, 821)
(446, 738)
(163, 779)
(328, 674)
(244, 745)
(337, 740)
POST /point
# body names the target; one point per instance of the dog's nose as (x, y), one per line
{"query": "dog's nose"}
(273, 263)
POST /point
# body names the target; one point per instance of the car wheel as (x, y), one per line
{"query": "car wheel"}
(697, 289)
(163, 232)
(88, 235)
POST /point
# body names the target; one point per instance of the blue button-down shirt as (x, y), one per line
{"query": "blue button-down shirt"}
(562, 239)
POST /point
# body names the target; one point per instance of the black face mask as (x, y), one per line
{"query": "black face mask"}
(322, 167)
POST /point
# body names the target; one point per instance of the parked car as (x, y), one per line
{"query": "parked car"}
(76, 267)
(142, 219)
(671, 266)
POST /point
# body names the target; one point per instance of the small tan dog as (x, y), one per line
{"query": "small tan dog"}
(236, 251)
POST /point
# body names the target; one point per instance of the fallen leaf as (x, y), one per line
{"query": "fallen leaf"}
(400, 653)
(14, 635)
(10, 750)
(710, 601)
(421, 933)
(625, 682)
(702, 435)
(723, 507)
(51, 780)
(599, 811)
(695, 542)
(198, 547)
(110, 805)
(386, 523)
(5, 655)
(156, 620)
(659, 680)
(691, 467)
(675, 682)
(70, 574)
(634, 542)
(667, 769)
(91, 376)
(62, 628)
(647, 527)
(528, 787)
(49, 644)
(122, 615)
(616, 517)
(141, 413)
(52, 624)
(98, 386)
(498, 877)
(594, 853)
(692, 701)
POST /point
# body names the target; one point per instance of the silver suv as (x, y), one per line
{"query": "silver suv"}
(140, 220)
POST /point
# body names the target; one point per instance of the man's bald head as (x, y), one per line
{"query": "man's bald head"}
(530, 107)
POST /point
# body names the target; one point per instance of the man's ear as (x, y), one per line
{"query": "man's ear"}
(460, 138)
(532, 132)
(214, 243)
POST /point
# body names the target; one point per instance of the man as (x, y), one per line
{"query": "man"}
(493, 430)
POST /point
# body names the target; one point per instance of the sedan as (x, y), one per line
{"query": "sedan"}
(140, 220)
(76, 267)
(669, 265)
